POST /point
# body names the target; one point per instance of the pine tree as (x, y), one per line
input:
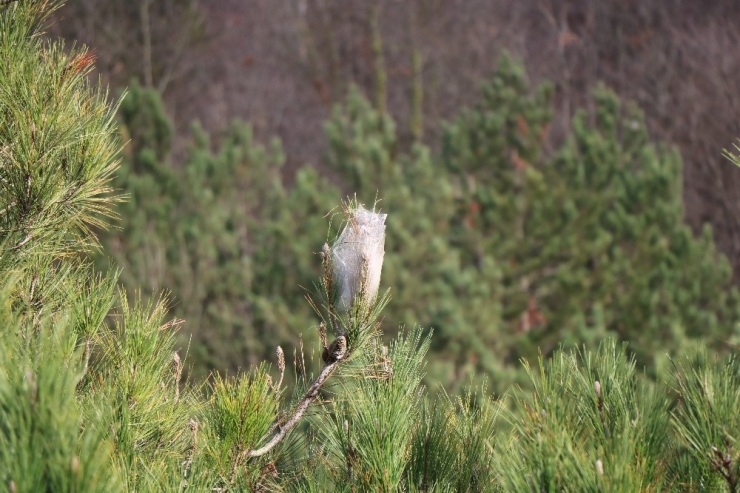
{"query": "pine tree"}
(56, 159)
(432, 285)
(85, 406)
(211, 233)
(589, 237)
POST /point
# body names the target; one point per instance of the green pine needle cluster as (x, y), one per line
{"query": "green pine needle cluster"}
(589, 421)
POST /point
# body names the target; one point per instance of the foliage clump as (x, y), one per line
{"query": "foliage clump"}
(589, 237)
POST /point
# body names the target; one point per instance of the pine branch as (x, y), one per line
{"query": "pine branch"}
(306, 401)
(722, 463)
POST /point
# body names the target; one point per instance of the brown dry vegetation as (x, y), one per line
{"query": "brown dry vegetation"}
(281, 65)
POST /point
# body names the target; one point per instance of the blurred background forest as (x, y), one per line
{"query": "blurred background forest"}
(552, 170)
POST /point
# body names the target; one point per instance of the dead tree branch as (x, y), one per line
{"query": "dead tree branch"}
(306, 401)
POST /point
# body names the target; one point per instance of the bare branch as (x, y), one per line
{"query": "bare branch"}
(310, 396)
(146, 32)
(23, 241)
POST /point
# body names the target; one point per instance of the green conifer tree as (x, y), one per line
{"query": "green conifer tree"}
(589, 237)
(432, 285)
(56, 159)
(85, 406)
(214, 234)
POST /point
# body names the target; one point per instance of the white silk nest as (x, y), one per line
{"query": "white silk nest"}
(361, 240)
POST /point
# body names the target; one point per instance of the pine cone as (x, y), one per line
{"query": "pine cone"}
(336, 350)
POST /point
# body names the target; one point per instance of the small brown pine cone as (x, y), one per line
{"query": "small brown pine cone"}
(336, 350)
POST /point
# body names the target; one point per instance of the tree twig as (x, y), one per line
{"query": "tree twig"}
(146, 32)
(311, 394)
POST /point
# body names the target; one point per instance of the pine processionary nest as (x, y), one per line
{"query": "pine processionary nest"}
(362, 240)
